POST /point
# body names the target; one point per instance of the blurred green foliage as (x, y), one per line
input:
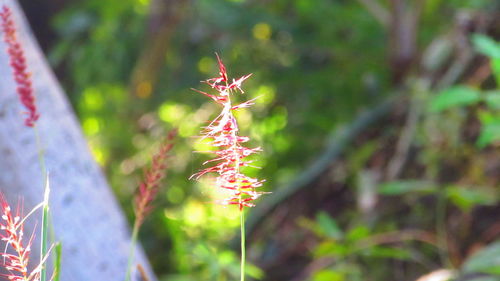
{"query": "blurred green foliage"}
(315, 65)
(460, 96)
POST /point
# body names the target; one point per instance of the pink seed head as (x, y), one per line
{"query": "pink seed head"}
(230, 153)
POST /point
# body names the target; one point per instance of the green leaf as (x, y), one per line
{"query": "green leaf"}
(490, 48)
(406, 186)
(254, 271)
(328, 226)
(328, 275)
(486, 260)
(466, 198)
(357, 233)
(495, 67)
(454, 97)
(490, 133)
(331, 248)
(492, 99)
(490, 130)
(487, 117)
(486, 46)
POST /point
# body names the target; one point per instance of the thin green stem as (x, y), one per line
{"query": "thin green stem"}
(242, 222)
(45, 214)
(133, 241)
(41, 157)
(242, 211)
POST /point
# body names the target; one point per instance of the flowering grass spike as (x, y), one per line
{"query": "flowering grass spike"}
(19, 67)
(15, 261)
(148, 188)
(147, 191)
(230, 154)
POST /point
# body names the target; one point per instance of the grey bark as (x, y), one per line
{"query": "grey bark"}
(86, 217)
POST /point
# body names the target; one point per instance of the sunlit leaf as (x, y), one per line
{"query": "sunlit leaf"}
(328, 225)
(330, 248)
(466, 198)
(492, 99)
(495, 67)
(490, 48)
(490, 133)
(406, 186)
(490, 130)
(357, 233)
(253, 271)
(486, 45)
(486, 260)
(328, 275)
(454, 97)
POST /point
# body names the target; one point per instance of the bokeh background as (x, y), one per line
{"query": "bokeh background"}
(379, 121)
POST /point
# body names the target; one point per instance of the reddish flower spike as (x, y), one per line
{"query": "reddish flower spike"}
(152, 177)
(19, 67)
(231, 154)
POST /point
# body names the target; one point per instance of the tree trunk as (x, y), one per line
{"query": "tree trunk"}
(87, 219)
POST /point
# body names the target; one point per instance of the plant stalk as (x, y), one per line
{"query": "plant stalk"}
(131, 254)
(45, 212)
(242, 222)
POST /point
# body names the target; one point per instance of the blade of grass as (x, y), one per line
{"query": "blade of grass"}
(45, 228)
(45, 214)
(57, 263)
